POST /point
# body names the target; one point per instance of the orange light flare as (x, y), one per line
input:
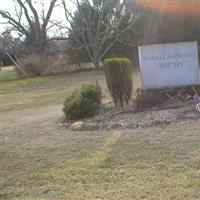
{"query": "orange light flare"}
(174, 7)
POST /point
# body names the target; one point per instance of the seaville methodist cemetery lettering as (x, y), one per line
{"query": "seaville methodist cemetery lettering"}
(169, 65)
(169, 59)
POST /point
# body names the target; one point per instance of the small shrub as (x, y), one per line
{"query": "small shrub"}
(42, 64)
(156, 97)
(83, 103)
(118, 72)
(189, 89)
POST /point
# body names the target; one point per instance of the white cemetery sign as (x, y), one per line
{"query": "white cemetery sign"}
(169, 65)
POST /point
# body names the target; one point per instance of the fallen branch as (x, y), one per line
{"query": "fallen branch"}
(17, 64)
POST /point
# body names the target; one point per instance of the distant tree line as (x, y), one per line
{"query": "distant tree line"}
(95, 30)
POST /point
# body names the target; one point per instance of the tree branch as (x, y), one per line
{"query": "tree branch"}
(13, 22)
(50, 10)
(33, 10)
(25, 12)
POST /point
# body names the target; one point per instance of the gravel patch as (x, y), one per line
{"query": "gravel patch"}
(110, 119)
(153, 118)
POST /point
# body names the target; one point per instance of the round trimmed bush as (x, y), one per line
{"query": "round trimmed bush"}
(83, 103)
(118, 73)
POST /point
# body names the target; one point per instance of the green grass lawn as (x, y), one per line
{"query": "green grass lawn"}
(42, 160)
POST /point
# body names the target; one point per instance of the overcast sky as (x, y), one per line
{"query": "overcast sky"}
(57, 14)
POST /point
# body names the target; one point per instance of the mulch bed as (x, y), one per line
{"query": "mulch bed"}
(158, 97)
(151, 108)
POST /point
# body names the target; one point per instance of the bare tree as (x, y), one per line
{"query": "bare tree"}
(29, 23)
(8, 43)
(97, 25)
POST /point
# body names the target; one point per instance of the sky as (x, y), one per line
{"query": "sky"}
(57, 14)
(176, 7)
(165, 6)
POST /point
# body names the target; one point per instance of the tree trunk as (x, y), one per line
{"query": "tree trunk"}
(96, 64)
(36, 42)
